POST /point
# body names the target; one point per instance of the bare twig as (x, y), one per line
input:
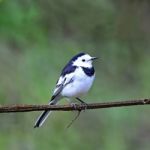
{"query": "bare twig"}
(28, 108)
(74, 119)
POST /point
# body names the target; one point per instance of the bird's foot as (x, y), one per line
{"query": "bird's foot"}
(74, 105)
(84, 104)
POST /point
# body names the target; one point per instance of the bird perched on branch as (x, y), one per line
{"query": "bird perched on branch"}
(75, 80)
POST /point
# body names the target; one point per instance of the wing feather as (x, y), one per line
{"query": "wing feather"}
(62, 82)
(65, 78)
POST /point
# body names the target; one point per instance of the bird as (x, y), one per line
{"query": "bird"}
(75, 80)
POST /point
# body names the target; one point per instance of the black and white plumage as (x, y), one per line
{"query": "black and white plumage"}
(75, 80)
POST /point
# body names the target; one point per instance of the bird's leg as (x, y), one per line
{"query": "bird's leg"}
(74, 105)
(82, 102)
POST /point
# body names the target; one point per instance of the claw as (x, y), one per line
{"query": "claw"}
(74, 105)
(82, 103)
(84, 106)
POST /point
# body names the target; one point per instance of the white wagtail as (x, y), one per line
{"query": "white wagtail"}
(76, 79)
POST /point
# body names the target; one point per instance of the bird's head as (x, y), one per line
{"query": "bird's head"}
(83, 60)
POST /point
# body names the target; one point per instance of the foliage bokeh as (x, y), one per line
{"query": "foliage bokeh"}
(38, 37)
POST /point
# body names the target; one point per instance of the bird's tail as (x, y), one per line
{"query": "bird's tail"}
(41, 119)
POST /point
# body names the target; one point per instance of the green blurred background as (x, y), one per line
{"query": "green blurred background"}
(37, 38)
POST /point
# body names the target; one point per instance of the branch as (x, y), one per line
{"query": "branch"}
(28, 108)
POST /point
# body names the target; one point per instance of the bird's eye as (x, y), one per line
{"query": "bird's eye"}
(83, 60)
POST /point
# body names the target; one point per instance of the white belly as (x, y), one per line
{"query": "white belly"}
(80, 85)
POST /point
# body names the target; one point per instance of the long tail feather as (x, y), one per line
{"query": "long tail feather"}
(41, 119)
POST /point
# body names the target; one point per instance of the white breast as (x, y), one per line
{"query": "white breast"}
(80, 85)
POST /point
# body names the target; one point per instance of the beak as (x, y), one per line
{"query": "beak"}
(93, 58)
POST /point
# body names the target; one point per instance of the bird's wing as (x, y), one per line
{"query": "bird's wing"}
(66, 77)
(59, 87)
(61, 83)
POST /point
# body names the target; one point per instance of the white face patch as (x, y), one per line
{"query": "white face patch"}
(83, 61)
